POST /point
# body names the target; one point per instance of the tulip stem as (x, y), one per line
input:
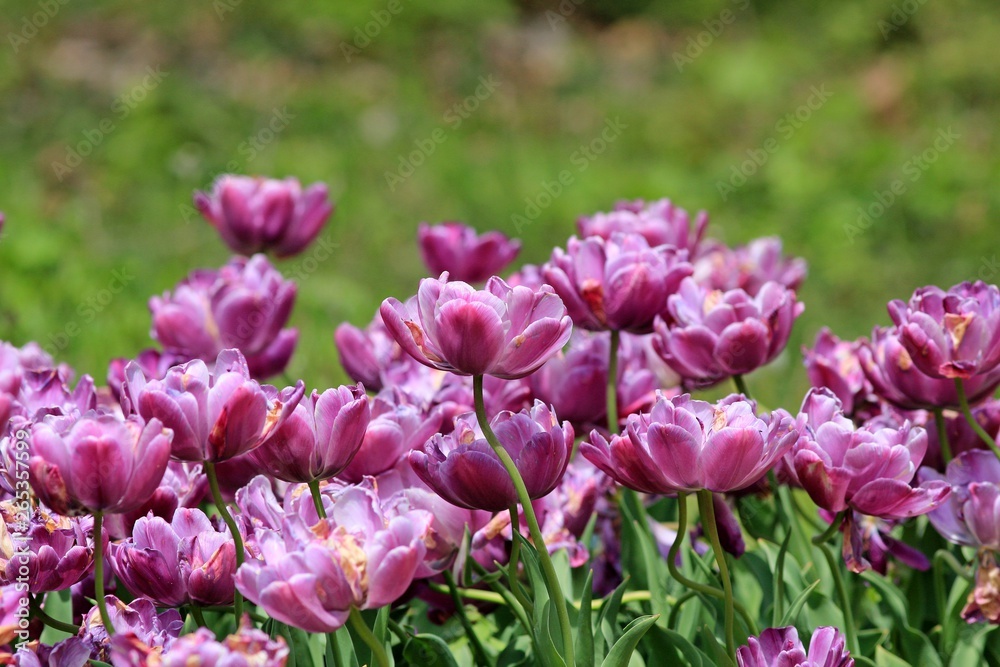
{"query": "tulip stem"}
(515, 557)
(234, 532)
(831, 530)
(549, 570)
(361, 628)
(708, 522)
(963, 402)
(102, 606)
(478, 652)
(199, 618)
(612, 389)
(317, 498)
(333, 651)
(741, 385)
(39, 613)
(820, 541)
(698, 587)
(942, 433)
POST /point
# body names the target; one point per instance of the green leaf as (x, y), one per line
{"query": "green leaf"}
(621, 652)
(914, 645)
(885, 659)
(428, 650)
(779, 582)
(299, 651)
(584, 647)
(672, 649)
(608, 617)
(793, 610)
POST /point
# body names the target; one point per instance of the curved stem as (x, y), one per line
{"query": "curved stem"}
(39, 613)
(549, 570)
(317, 498)
(945, 557)
(676, 609)
(963, 402)
(831, 530)
(478, 652)
(234, 531)
(820, 541)
(942, 433)
(612, 387)
(712, 530)
(361, 628)
(515, 557)
(199, 618)
(741, 385)
(102, 606)
(506, 596)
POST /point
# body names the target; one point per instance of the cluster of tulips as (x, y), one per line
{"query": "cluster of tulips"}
(510, 481)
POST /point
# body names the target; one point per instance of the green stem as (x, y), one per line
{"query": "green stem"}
(963, 402)
(361, 629)
(99, 573)
(942, 433)
(499, 590)
(317, 498)
(947, 558)
(234, 531)
(676, 609)
(199, 618)
(612, 387)
(478, 652)
(333, 651)
(741, 385)
(549, 570)
(838, 582)
(708, 522)
(39, 613)
(515, 558)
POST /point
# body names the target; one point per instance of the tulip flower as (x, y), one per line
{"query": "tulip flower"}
(464, 470)
(243, 305)
(684, 445)
(367, 353)
(183, 485)
(465, 255)
(215, 415)
(897, 379)
(620, 284)
(312, 577)
(98, 463)
(247, 647)
(71, 652)
(953, 334)
(184, 561)
(505, 331)
(53, 549)
(834, 364)
(748, 267)
(711, 335)
(780, 647)
(138, 619)
(255, 214)
(319, 438)
(660, 222)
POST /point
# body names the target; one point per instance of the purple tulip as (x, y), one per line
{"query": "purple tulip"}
(465, 255)
(311, 577)
(687, 445)
(868, 543)
(14, 604)
(971, 517)
(712, 335)
(897, 379)
(183, 485)
(780, 647)
(248, 647)
(367, 353)
(46, 391)
(54, 549)
(463, 469)
(620, 284)
(395, 429)
(983, 603)
(504, 331)
(319, 439)
(138, 619)
(71, 652)
(98, 463)
(660, 222)
(529, 275)
(953, 334)
(255, 214)
(243, 305)
(216, 415)
(834, 364)
(185, 561)
(961, 436)
(154, 364)
(867, 469)
(748, 267)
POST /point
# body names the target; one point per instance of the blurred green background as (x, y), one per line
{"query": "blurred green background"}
(164, 96)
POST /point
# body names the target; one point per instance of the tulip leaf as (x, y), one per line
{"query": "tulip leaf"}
(607, 617)
(972, 647)
(884, 658)
(621, 652)
(779, 582)
(584, 647)
(672, 648)
(717, 651)
(299, 650)
(800, 600)
(428, 650)
(58, 606)
(652, 561)
(913, 644)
